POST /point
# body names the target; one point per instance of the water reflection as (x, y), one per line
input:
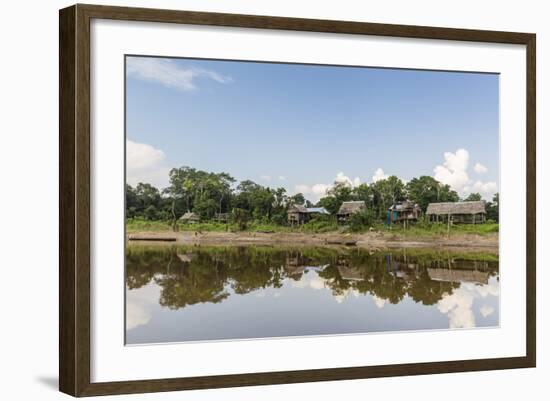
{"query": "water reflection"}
(180, 293)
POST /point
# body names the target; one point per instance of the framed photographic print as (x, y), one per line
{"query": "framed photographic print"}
(250, 200)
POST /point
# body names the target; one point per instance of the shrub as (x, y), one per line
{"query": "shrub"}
(321, 224)
(361, 221)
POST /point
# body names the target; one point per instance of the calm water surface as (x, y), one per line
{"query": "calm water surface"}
(189, 293)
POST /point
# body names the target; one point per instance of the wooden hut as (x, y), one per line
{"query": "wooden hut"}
(190, 218)
(348, 209)
(350, 273)
(457, 212)
(458, 276)
(297, 214)
(403, 212)
(221, 217)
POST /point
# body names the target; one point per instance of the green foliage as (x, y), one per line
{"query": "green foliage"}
(140, 224)
(473, 197)
(249, 204)
(423, 229)
(361, 221)
(321, 224)
(202, 192)
(145, 201)
(385, 193)
(493, 209)
(330, 203)
(297, 199)
(240, 218)
(425, 190)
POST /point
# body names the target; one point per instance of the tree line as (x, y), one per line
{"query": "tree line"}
(210, 194)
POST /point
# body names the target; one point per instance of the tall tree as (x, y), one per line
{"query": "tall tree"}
(297, 199)
(202, 192)
(473, 197)
(425, 190)
(493, 208)
(386, 192)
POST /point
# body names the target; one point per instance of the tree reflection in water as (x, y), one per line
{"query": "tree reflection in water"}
(188, 275)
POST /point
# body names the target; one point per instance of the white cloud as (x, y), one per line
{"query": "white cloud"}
(282, 178)
(303, 189)
(486, 310)
(339, 298)
(341, 177)
(458, 305)
(320, 189)
(480, 168)
(491, 289)
(142, 156)
(485, 189)
(169, 73)
(379, 302)
(139, 304)
(379, 175)
(458, 308)
(136, 315)
(317, 283)
(317, 191)
(265, 177)
(145, 163)
(298, 284)
(453, 171)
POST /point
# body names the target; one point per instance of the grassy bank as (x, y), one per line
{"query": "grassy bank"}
(137, 225)
(416, 230)
(419, 255)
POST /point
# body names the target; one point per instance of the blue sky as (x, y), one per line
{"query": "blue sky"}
(302, 126)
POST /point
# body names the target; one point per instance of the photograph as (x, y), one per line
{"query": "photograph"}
(275, 200)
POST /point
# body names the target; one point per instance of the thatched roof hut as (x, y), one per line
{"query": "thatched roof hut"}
(297, 209)
(350, 273)
(458, 276)
(297, 214)
(472, 207)
(190, 217)
(463, 212)
(349, 208)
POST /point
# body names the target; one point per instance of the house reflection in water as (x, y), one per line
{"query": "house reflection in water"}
(228, 292)
(459, 276)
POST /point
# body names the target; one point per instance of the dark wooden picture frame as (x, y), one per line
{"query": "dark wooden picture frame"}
(74, 202)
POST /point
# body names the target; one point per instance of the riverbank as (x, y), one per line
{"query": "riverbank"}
(370, 240)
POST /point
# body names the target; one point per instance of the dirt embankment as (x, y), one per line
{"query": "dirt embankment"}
(367, 240)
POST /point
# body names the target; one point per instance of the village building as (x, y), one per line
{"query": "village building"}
(403, 212)
(299, 214)
(458, 276)
(348, 209)
(350, 273)
(222, 217)
(457, 212)
(190, 218)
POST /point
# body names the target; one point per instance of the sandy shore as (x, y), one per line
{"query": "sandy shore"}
(373, 240)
